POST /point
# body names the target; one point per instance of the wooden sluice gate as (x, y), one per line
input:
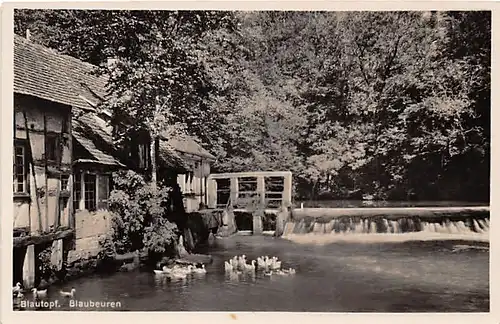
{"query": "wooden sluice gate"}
(263, 197)
(255, 193)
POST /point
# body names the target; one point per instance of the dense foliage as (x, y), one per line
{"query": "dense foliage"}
(391, 104)
(139, 220)
(46, 269)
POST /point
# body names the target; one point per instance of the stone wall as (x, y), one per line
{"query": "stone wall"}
(228, 223)
(90, 227)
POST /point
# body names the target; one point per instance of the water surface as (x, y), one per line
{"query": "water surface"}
(432, 276)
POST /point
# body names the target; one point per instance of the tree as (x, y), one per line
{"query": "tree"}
(351, 102)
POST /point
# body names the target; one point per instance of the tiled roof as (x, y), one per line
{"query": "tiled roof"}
(44, 73)
(95, 136)
(188, 145)
(99, 156)
(171, 158)
(91, 130)
(95, 124)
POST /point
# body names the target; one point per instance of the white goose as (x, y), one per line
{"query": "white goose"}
(228, 266)
(68, 294)
(275, 263)
(189, 269)
(16, 288)
(250, 267)
(267, 261)
(201, 270)
(281, 273)
(167, 270)
(181, 271)
(242, 262)
(39, 293)
(178, 275)
(261, 263)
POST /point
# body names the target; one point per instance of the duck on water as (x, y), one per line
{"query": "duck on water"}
(268, 265)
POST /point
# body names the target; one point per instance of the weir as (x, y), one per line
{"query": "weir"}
(258, 201)
(446, 220)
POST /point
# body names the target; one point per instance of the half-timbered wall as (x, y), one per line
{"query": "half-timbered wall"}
(42, 179)
(194, 183)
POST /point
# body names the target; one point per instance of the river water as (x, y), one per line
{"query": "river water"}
(429, 276)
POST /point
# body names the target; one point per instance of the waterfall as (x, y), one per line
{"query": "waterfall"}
(387, 225)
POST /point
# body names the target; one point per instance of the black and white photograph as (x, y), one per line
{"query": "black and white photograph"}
(324, 161)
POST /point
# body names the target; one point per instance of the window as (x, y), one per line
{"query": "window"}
(52, 147)
(94, 193)
(77, 191)
(189, 182)
(90, 191)
(65, 124)
(19, 184)
(103, 191)
(65, 182)
(143, 152)
(65, 186)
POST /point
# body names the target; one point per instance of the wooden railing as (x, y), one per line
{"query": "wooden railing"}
(250, 190)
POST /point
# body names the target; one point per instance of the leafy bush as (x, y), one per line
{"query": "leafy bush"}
(47, 270)
(140, 209)
(160, 235)
(108, 249)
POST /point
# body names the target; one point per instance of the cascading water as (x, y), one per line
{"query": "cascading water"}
(380, 225)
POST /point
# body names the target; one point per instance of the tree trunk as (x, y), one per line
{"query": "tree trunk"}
(152, 152)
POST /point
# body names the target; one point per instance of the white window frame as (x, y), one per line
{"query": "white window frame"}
(25, 175)
(81, 202)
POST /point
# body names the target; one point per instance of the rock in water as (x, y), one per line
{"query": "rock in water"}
(181, 250)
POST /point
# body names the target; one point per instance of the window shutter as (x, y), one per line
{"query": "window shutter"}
(103, 192)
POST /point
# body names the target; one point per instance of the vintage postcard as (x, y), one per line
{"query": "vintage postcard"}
(266, 159)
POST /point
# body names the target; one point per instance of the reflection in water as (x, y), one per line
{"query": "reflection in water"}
(340, 277)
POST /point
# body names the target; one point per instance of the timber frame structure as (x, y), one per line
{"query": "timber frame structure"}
(44, 98)
(257, 193)
(64, 156)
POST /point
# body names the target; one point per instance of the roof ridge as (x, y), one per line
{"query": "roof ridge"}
(53, 50)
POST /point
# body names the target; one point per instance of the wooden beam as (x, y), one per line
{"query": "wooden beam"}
(266, 211)
(33, 173)
(287, 190)
(29, 267)
(44, 238)
(56, 257)
(21, 231)
(250, 174)
(70, 221)
(261, 189)
(257, 223)
(233, 191)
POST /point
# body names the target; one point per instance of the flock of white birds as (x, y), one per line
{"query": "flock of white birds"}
(17, 292)
(180, 272)
(268, 265)
(236, 265)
